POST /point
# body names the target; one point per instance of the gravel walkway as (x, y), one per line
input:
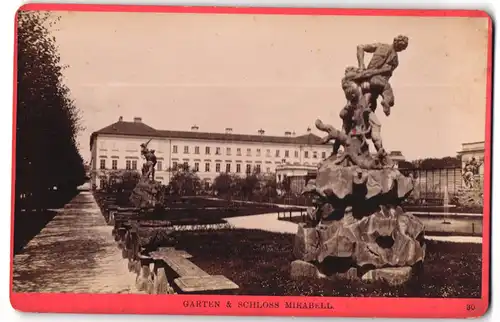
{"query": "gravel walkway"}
(74, 253)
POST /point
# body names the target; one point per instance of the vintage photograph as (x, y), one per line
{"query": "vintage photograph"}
(250, 154)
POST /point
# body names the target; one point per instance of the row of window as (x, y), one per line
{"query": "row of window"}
(248, 169)
(132, 165)
(248, 152)
(129, 164)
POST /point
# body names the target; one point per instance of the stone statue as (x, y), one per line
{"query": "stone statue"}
(375, 78)
(357, 227)
(147, 193)
(471, 169)
(148, 168)
(362, 86)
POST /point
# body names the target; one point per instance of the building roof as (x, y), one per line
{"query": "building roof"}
(137, 128)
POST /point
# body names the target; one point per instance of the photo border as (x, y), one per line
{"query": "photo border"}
(342, 306)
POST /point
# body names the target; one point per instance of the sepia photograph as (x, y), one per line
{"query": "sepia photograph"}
(300, 155)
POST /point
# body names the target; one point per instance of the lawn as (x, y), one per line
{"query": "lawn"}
(259, 262)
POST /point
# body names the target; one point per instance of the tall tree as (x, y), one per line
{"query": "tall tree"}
(48, 121)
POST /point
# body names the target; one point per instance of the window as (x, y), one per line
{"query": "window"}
(196, 150)
(114, 164)
(249, 152)
(268, 152)
(296, 154)
(228, 151)
(228, 167)
(268, 170)
(101, 183)
(186, 165)
(102, 164)
(315, 155)
(207, 167)
(159, 166)
(258, 152)
(238, 168)
(217, 167)
(186, 149)
(249, 169)
(277, 153)
(128, 164)
(257, 168)
(287, 154)
(238, 151)
(323, 154)
(207, 150)
(134, 164)
(196, 166)
(306, 154)
(174, 149)
(217, 151)
(174, 165)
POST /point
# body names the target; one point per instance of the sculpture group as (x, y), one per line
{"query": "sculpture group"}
(471, 172)
(148, 192)
(357, 227)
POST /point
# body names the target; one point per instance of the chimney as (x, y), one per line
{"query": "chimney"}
(120, 119)
(137, 119)
(229, 130)
(261, 132)
(308, 130)
(288, 133)
(194, 128)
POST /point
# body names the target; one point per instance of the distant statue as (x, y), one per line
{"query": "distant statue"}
(374, 79)
(470, 170)
(148, 169)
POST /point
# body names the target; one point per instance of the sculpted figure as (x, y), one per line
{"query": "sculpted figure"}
(358, 113)
(375, 77)
(352, 113)
(471, 169)
(149, 167)
(356, 150)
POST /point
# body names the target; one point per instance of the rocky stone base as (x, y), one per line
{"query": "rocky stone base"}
(147, 194)
(386, 238)
(392, 276)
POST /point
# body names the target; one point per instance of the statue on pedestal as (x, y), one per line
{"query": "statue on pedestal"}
(470, 171)
(357, 227)
(148, 169)
(148, 193)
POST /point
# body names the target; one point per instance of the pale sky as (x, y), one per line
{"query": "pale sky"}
(277, 73)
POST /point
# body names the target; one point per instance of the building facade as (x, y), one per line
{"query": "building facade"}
(117, 146)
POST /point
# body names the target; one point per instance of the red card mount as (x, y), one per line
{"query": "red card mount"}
(382, 247)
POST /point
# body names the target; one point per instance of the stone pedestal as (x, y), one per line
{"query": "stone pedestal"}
(358, 230)
(152, 234)
(147, 194)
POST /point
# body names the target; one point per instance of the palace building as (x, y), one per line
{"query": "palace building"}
(117, 146)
